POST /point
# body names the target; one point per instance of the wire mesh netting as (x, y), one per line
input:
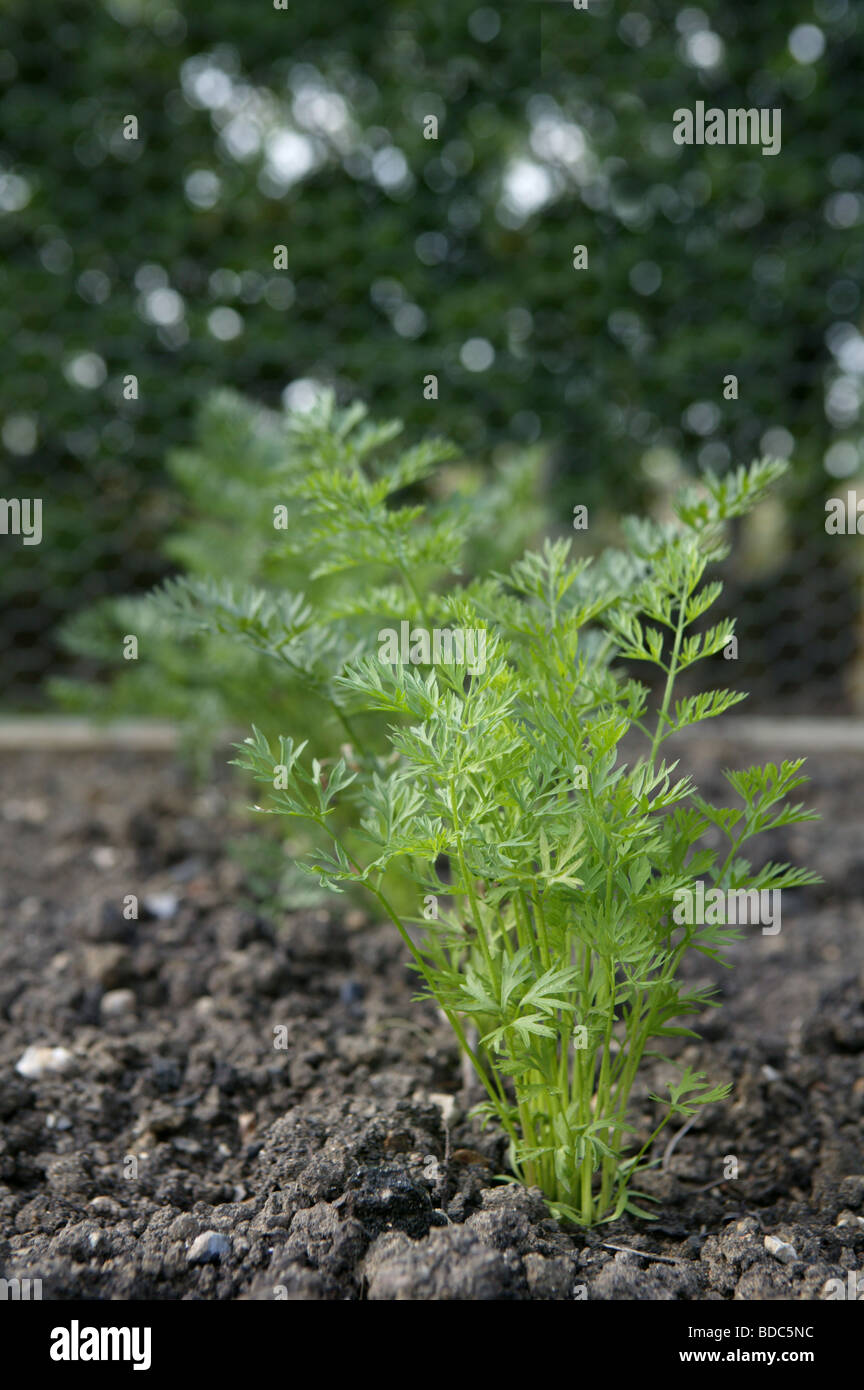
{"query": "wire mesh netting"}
(198, 195)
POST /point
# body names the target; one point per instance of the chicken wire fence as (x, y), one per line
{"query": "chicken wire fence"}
(256, 127)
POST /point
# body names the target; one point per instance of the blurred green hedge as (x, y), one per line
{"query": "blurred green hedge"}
(304, 127)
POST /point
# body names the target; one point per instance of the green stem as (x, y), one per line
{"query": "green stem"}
(468, 885)
(541, 931)
(498, 1099)
(670, 676)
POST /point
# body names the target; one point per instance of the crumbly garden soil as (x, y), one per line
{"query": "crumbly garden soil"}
(180, 1154)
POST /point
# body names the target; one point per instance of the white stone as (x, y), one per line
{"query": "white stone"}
(780, 1249)
(116, 1003)
(208, 1248)
(40, 1060)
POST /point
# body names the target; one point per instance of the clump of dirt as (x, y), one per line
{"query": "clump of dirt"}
(209, 1102)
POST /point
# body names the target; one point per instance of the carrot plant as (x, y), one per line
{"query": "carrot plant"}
(289, 530)
(546, 859)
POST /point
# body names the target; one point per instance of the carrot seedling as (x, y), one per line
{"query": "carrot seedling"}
(550, 861)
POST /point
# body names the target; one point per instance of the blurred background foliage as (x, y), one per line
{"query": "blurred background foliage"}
(304, 127)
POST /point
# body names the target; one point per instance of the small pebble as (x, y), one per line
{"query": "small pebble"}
(247, 1123)
(40, 1060)
(186, 1146)
(161, 905)
(106, 964)
(60, 1122)
(780, 1249)
(116, 1003)
(105, 1206)
(209, 1248)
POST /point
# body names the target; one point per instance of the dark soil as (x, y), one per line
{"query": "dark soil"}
(251, 1106)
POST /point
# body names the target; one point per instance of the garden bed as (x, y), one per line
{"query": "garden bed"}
(167, 1149)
